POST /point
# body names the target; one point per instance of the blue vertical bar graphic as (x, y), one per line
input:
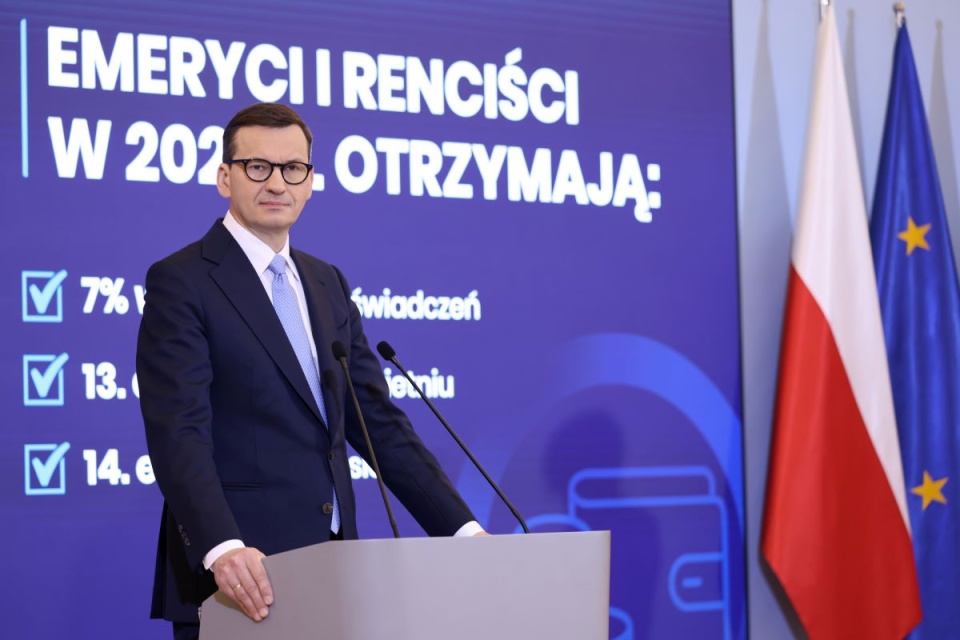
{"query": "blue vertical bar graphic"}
(920, 304)
(24, 129)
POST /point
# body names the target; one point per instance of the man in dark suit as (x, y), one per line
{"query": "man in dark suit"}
(246, 411)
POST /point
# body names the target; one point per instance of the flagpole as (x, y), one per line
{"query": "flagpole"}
(823, 8)
(900, 10)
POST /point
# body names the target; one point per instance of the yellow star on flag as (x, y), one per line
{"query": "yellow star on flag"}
(914, 236)
(930, 490)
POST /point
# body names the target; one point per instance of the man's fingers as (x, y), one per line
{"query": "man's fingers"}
(241, 575)
(260, 591)
(264, 587)
(247, 595)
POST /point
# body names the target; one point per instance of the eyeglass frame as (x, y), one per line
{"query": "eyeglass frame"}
(273, 167)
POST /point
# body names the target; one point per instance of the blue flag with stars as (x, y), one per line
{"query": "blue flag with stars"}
(920, 305)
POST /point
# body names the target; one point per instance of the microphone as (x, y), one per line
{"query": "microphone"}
(340, 353)
(387, 353)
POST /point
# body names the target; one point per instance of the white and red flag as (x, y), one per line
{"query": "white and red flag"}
(835, 528)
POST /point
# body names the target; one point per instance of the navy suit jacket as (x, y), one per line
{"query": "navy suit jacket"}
(236, 439)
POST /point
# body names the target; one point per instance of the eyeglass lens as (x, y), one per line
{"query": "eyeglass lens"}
(260, 171)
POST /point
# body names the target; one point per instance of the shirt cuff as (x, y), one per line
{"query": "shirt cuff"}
(472, 528)
(214, 554)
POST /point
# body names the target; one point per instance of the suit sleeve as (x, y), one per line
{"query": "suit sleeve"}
(410, 470)
(174, 374)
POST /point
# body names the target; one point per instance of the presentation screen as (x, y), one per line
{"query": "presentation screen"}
(533, 203)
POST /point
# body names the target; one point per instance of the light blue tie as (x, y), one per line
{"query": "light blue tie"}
(285, 303)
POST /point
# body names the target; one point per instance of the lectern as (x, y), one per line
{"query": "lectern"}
(547, 585)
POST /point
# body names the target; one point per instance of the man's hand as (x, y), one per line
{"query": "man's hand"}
(240, 575)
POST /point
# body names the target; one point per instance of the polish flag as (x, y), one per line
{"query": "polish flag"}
(835, 527)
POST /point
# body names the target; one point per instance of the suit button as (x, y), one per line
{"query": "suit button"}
(330, 456)
(183, 535)
(328, 508)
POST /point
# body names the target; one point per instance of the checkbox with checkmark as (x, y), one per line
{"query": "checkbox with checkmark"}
(42, 295)
(43, 380)
(45, 471)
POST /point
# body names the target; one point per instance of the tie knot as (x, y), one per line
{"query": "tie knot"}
(278, 265)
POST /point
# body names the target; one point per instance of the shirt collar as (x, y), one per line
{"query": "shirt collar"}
(256, 250)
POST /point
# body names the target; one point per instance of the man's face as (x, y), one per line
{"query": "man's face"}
(268, 209)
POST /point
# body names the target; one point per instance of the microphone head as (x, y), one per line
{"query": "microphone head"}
(339, 351)
(385, 350)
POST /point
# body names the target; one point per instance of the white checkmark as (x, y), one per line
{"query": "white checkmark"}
(43, 381)
(45, 470)
(42, 297)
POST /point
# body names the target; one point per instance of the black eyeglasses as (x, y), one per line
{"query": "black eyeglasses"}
(260, 170)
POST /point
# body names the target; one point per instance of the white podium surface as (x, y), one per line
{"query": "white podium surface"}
(533, 586)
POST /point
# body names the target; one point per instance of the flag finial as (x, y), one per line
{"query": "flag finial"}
(900, 10)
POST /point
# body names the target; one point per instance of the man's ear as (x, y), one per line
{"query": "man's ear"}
(223, 180)
(310, 182)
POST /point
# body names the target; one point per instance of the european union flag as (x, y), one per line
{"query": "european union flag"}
(920, 305)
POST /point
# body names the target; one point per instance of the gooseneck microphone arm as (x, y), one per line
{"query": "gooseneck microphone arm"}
(387, 353)
(340, 353)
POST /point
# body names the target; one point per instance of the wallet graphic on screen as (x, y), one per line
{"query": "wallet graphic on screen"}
(669, 547)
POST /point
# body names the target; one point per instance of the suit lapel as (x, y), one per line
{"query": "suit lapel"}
(323, 326)
(241, 284)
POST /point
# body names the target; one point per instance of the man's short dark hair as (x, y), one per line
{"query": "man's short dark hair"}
(264, 114)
